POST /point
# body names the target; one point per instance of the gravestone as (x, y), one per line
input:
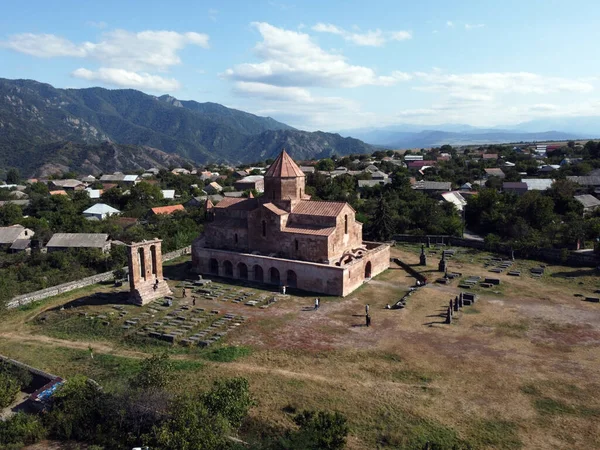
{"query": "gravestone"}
(146, 281)
(423, 257)
(443, 265)
(449, 316)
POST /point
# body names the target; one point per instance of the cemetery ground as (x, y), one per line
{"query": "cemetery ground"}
(517, 369)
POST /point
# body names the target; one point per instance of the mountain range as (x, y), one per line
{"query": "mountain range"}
(36, 120)
(423, 136)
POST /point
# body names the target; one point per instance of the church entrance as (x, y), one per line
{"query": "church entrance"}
(213, 266)
(292, 279)
(368, 270)
(243, 271)
(258, 273)
(274, 276)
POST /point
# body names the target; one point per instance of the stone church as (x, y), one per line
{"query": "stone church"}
(285, 238)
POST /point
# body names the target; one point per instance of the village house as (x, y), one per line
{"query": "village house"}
(538, 184)
(15, 238)
(285, 238)
(494, 172)
(119, 178)
(256, 182)
(515, 187)
(589, 202)
(167, 209)
(65, 241)
(68, 185)
(100, 211)
(212, 188)
(432, 186)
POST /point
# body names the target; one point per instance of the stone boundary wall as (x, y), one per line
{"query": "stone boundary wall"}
(551, 255)
(410, 270)
(30, 369)
(25, 299)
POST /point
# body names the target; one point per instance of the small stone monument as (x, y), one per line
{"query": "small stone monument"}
(423, 257)
(146, 282)
(449, 316)
(443, 266)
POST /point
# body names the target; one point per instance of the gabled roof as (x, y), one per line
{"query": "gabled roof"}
(67, 183)
(514, 185)
(319, 208)
(304, 229)
(274, 209)
(58, 192)
(8, 235)
(588, 201)
(101, 208)
(538, 184)
(81, 240)
(167, 209)
(169, 194)
(21, 244)
(284, 167)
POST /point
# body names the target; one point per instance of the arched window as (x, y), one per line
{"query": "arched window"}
(296, 243)
(236, 238)
(153, 254)
(264, 228)
(142, 262)
(346, 224)
(300, 192)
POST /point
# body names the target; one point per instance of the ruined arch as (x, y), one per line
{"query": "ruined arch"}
(292, 279)
(227, 268)
(274, 277)
(213, 266)
(368, 270)
(142, 262)
(258, 273)
(242, 271)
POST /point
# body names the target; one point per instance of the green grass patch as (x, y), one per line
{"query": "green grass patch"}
(411, 376)
(403, 430)
(471, 311)
(551, 406)
(512, 329)
(226, 354)
(497, 434)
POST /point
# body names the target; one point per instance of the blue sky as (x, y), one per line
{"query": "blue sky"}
(326, 65)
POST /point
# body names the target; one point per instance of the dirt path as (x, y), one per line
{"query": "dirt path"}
(99, 347)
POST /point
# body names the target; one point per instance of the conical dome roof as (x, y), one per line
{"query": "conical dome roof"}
(284, 167)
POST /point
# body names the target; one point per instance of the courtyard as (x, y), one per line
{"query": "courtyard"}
(516, 369)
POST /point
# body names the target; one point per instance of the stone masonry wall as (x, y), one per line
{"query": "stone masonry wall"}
(25, 299)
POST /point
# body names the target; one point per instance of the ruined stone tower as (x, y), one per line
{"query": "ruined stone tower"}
(146, 282)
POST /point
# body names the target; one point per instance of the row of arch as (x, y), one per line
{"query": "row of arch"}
(254, 273)
(141, 254)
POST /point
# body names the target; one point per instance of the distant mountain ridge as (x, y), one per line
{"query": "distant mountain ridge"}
(34, 115)
(410, 135)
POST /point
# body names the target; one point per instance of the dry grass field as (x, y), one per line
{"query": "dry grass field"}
(518, 369)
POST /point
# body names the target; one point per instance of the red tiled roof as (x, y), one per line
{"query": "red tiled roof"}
(297, 229)
(318, 208)
(273, 208)
(168, 209)
(284, 167)
(490, 156)
(59, 192)
(419, 164)
(237, 203)
(209, 204)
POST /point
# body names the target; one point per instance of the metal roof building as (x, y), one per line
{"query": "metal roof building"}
(62, 241)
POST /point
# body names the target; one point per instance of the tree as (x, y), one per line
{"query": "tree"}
(21, 430)
(326, 164)
(154, 373)
(320, 430)
(144, 195)
(13, 176)
(9, 388)
(382, 226)
(190, 426)
(10, 214)
(231, 399)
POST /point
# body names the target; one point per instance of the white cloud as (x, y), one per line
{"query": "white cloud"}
(125, 78)
(450, 24)
(291, 58)
(469, 26)
(43, 45)
(145, 50)
(371, 38)
(503, 82)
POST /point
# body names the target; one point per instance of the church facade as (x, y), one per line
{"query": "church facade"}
(285, 238)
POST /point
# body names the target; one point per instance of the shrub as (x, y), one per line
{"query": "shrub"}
(21, 430)
(9, 388)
